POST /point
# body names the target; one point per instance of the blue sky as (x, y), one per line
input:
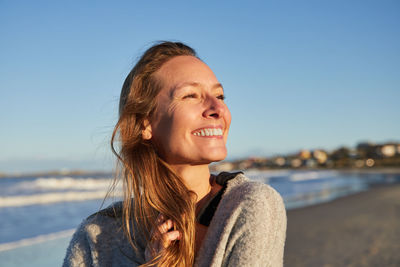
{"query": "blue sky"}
(297, 74)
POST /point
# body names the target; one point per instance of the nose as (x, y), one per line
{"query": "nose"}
(214, 107)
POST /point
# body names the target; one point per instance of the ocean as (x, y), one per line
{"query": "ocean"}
(38, 214)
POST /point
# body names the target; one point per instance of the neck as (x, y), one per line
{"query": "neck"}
(196, 178)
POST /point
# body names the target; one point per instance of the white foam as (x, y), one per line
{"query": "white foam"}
(36, 240)
(16, 201)
(65, 183)
(312, 175)
(266, 173)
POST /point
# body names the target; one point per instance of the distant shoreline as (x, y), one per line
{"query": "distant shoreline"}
(53, 173)
(388, 170)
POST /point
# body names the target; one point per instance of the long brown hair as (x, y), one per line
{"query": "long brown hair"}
(150, 186)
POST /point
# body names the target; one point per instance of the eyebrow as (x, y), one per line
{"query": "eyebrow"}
(195, 84)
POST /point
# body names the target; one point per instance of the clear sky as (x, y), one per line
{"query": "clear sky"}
(297, 74)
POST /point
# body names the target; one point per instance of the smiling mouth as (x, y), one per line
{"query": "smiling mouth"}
(209, 132)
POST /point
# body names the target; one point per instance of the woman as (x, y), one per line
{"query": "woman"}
(173, 123)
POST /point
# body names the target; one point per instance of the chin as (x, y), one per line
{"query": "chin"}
(203, 156)
(216, 156)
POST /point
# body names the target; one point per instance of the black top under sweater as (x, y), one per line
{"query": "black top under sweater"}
(206, 214)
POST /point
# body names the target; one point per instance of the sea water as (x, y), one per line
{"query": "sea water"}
(38, 214)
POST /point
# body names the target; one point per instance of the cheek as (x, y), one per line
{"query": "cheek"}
(228, 117)
(161, 129)
(172, 128)
(186, 115)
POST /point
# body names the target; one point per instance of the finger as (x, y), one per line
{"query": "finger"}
(165, 227)
(159, 221)
(160, 218)
(170, 236)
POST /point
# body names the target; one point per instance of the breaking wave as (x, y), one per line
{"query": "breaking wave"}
(312, 175)
(36, 240)
(288, 175)
(66, 183)
(47, 198)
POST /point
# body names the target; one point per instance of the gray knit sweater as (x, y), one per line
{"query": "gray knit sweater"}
(248, 229)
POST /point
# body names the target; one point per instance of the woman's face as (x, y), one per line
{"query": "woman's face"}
(191, 121)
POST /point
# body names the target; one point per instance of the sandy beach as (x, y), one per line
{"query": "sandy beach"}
(357, 230)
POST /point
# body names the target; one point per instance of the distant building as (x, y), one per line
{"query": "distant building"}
(388, 150)
(370, 162)
(305, 154)
(295, 163)
(320, 156)
(280, 161)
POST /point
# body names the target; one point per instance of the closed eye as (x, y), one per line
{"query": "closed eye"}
(221, 97)
(190, 96)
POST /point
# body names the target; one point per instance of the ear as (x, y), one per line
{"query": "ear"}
(146, 132)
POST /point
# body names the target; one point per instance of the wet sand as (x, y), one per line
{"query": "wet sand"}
(357, 230)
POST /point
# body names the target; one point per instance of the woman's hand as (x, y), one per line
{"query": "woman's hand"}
(161, 237)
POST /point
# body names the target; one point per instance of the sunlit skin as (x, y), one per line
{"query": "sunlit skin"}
(191, 99)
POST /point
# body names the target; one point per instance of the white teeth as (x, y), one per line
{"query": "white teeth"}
(209, 132)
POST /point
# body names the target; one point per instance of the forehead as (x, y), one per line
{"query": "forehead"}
(185, 69)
